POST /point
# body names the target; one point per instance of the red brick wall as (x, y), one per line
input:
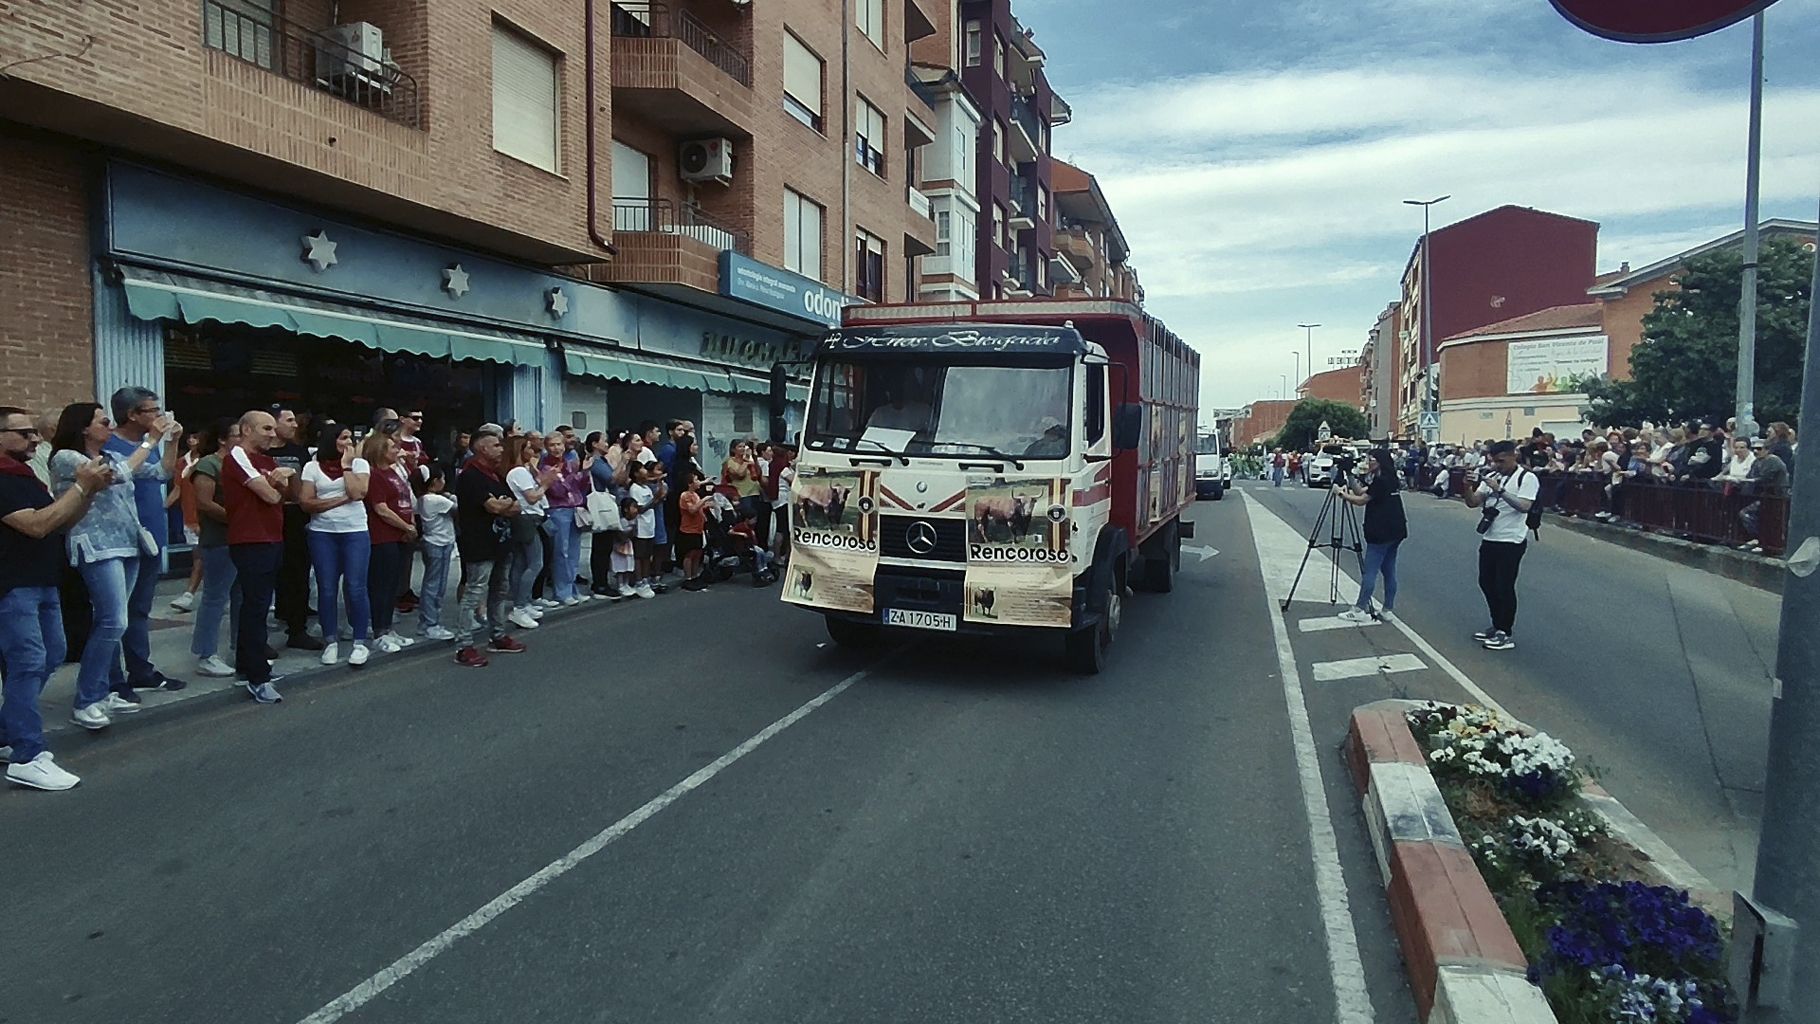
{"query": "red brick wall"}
(1342, 385)
(1475, 370)
(46, 324)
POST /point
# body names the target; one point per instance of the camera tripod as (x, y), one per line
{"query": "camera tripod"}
(1339, 522)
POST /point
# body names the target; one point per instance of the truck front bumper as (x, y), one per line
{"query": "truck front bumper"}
(946, 592)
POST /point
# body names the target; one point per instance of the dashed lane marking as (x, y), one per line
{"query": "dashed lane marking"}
(1353, 668)
(1326, 622)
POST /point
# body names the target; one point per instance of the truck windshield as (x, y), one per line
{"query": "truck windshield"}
(943, 409)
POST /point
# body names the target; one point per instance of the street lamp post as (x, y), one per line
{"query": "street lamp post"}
(1298, 365)
(1431, 392)
(1746, 411)
(1285, 389)
(1310, 342)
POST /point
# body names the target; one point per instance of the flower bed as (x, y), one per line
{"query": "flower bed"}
(1602, 944)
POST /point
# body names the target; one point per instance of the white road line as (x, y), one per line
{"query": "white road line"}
(1352, 999)
(1353, 668)
(363, 993)
(1326, 622)
(1485, 699)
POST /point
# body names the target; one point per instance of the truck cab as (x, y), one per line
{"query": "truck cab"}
(974, 475)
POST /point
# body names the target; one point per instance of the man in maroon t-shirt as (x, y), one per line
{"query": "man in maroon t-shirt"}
(252, 490)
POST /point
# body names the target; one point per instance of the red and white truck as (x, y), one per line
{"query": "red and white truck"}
(993, 467)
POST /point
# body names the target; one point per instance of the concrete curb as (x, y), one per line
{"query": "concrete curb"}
(1464, 964)
(1469, 976)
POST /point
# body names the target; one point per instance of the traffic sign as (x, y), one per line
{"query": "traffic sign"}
(1430, 420)
(1656, 21)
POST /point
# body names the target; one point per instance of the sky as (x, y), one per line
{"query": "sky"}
(1257, 155)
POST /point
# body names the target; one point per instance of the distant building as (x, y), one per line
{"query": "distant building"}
(1341, 385)
(1380, 367)
(1090, 250)
(1258, 422)
(1493, 266)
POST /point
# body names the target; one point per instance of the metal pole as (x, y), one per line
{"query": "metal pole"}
(1746, 411)
(1310, 342)
(1298, 365)
(1431, 394)
(1788, 849)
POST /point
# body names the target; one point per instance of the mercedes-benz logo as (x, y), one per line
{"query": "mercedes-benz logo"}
(920, 537)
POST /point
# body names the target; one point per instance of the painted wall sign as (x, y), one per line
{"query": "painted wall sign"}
(1544, 367)
(1656, 21)
(748, 280)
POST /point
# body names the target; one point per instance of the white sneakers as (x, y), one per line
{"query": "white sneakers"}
(573, 601)
(386, 645)
(644, 590)
(439, 633)
(546, 604)
(625, 590)
(398, 638)
(331, 653)
(118, 705)
(522, 618)
(358, 656)
(92, 717)
(41, 772)
(214, 666)
(1355, 614)
(183, 602)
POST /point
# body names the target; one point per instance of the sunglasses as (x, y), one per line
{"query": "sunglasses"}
(22, 431)
(389, 427)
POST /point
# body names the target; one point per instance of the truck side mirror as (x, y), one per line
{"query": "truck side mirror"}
(1127, 426)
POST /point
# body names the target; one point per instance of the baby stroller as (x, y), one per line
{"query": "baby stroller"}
(730, 543)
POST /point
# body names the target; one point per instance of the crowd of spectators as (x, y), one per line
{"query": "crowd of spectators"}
(91, 499)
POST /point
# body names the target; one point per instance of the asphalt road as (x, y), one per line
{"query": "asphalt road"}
(966, 833)
(1656, 673)
(959, 832)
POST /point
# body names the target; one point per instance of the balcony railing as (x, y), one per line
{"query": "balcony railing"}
(919, 203)
(1025, 116)
(663, 217)
(656, 21)
(292, 51)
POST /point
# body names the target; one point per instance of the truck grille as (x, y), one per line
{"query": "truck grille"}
(949, 536)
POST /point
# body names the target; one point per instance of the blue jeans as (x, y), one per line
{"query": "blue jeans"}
(566, 546)
(342, 558)
(31, 645)
(1276, 476)
(1379, 558)
(220, 591)
(435, 584)
(527, 562)
(110, 587)
(137, 643)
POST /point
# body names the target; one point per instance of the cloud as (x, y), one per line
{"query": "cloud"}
(1257, 197)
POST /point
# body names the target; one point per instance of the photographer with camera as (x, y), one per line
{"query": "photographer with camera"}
(1504, 495)
(1386, 528)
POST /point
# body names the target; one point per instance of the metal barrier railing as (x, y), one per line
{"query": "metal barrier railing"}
(292, 51)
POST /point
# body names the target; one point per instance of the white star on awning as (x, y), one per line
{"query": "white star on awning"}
(455, 280)
(558, 302)
(319, 251)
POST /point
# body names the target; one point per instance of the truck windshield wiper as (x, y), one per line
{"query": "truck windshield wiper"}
(903, 460)
(989, 450)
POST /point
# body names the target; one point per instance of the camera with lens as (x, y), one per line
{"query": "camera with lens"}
(1486, 516)
(1345, 463)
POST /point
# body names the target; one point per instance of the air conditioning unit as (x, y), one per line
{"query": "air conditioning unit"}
(357, 48)
(706, 160)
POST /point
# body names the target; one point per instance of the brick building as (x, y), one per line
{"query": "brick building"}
(1380, 363)
(1489, 267)
(573, 210)
(1258, 422)
(1092, 257)
(1342, 385)
(1002, 68)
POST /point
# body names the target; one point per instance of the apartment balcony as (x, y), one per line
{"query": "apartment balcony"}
(662, 243)
(1022, 203)
(673, 71)
(312, 58)
(1077, 247)
(919, 204)
(1026, 141)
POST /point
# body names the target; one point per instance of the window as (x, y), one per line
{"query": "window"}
(1042, 203)
(998, 224)
(1094, 422)
(243, 28)
(998, 55)
(944, 225)
(802, 82)
(869, 15)
(524, 100)
(998, 140)
(868, 136)
(1042, 271)
(632, 210)
(963, 155)
(869, 265)
(973, 44)
(802, 234)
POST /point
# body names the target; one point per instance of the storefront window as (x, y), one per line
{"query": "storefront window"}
(215, 370)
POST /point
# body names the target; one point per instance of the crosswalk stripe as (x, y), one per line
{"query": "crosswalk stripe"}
(1326, 622)
(1351, 668)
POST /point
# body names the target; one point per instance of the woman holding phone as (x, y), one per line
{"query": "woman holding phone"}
(1386, 528)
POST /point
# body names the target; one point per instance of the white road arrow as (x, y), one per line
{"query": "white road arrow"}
(1205, 553)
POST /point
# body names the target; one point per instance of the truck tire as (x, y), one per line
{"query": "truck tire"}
(1219, 491)
(847, 633)
(1090, 650)
(1161, 561)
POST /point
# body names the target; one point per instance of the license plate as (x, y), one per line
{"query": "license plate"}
(920, 620)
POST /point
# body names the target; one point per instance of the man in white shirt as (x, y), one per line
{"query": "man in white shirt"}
(1504, 495)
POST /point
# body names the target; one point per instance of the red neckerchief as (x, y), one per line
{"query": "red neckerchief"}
(10, 466)
(331, 469)
(484, 470)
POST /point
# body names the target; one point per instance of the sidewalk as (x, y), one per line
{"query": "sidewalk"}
(172, 630)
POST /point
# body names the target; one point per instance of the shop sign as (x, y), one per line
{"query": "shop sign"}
(719, 347)
(1546, 367)
(748, 280)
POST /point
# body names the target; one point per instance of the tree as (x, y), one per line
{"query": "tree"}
(1687, 366)
(1303, 426)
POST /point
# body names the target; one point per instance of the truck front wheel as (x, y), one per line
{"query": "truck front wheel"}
(848, 633)
(1090, 649)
